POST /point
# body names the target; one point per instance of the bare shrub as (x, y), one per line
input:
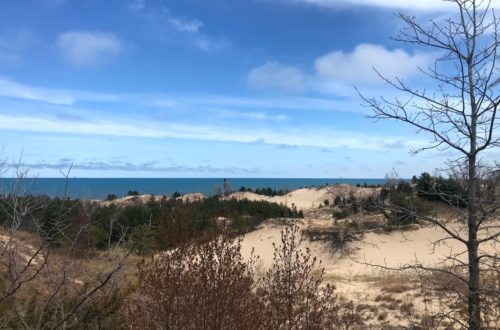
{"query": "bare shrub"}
(198, 286)
(294, 294)
(42, 244)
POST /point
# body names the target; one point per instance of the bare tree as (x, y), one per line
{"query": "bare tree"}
(459, 114)
(40, 287)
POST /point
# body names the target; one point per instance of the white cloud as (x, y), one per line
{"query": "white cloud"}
(276, 76)
(191, 30)
(338, 72)
(261, 115)
(192, 26)
(428, 5)
(285, 103)
(146, 129)
(84, 48)
(357, 67)
(12, 89)
(174, 27)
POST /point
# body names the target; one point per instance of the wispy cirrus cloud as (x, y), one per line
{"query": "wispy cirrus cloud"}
(12, 89)
(296, 136)
(282, 103)
(148, 166)
(252, 115)
(177, 27)
(427, 5)
(191, 26)
(88, 48)
(276, 76)
(257, 106)
(191, 30)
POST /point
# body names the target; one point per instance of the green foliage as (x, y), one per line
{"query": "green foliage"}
(60, 219)
(142, 238)
(111, 197)
(440, 189)
(405, 208)
(197, 220)
(132, 193)
(265, 191)
(404, 187)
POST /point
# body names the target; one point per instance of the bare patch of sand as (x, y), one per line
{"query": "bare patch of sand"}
(308, 198)
(132, 200)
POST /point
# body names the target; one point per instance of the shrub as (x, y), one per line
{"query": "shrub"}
(405, 209)
(111, 197)
(293, 292)
(342, 214)
(209, 286)
(200, 286)
(439, 189)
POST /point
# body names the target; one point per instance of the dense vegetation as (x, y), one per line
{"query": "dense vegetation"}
(437, 188)
(265, 191)
(154, 225)
(403, 202)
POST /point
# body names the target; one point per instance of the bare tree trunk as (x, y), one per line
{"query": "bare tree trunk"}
(472, 242)
(472, 247)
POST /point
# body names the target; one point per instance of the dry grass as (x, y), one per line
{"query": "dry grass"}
(66, 277)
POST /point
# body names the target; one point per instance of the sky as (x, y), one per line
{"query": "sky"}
(208, 88)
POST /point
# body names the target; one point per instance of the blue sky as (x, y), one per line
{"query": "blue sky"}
(207, 88)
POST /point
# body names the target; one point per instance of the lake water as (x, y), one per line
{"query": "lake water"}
(100, 188)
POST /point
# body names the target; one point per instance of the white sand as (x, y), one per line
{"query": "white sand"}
(395, 249)
(307, 198)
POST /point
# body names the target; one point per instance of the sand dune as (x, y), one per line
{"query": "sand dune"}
(307, 198)
(349, 271)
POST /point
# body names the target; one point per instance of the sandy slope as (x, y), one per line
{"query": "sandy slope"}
(353, 278)
(393, 249)
(307, 198)
(144, 199)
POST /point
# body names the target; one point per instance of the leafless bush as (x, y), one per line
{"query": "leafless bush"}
(198, 286)
(294, 294)
(210, 286)
(41, 282)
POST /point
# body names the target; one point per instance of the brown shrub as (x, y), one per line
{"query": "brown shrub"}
(293, 293)
(200, 286)
(209, 286)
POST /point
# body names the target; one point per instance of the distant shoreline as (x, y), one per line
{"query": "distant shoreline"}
(99, 188)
